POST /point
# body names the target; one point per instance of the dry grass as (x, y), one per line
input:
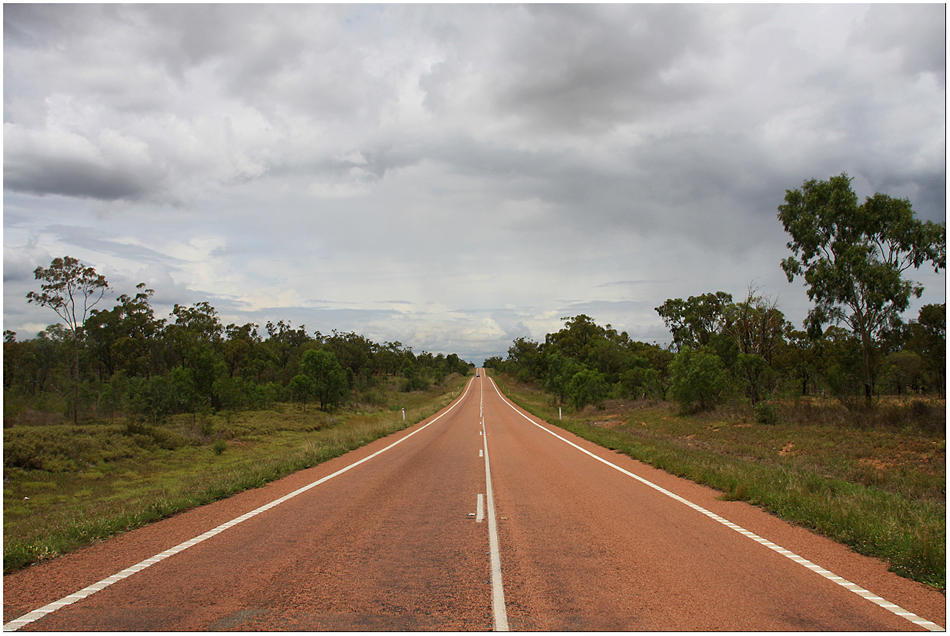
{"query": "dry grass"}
(875, 481)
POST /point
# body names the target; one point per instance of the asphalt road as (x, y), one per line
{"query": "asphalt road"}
(479, 518)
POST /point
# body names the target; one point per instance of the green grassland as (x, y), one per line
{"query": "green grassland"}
(874, 482)
(65, 485)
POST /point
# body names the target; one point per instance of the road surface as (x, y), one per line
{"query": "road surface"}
(479, 518)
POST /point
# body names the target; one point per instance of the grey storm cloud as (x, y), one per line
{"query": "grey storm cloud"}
(494, 167)
(41, 173)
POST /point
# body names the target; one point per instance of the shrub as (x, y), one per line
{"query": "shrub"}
(154, 399)
(700, 380)
(64, 448)
(560, 370)
(414, 382)
(765, 414)
(150, 437)
(587, 387)
(641, 383)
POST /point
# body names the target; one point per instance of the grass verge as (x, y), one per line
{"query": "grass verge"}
(95, 481)
(880, 491)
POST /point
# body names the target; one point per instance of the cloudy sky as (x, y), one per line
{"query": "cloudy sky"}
(452, 177)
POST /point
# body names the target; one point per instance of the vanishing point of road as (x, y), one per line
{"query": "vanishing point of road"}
(482, 517)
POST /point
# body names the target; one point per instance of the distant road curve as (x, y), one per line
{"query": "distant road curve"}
(479, 518)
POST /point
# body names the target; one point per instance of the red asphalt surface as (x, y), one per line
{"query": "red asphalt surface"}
(393, 544)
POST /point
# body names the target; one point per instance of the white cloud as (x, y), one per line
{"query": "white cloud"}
(493, 167)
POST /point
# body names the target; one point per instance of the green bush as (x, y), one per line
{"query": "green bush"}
(641, 383)
(151, 437)
(765, 414)
(587, 387)
(700, 380)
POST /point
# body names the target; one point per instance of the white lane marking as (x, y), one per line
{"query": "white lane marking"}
(480, 508)
(497, 587)
(138, 567)
(499, 611)
(848, 585)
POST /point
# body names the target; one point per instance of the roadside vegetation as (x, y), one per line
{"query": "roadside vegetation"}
(839, 426)
(67, 485)
(115, 417)
(875, 483)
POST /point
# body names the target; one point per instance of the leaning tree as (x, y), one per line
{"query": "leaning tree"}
(853, 257)
(71, 289)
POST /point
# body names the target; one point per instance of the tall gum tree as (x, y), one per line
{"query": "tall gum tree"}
(853, 257)
(71, 289)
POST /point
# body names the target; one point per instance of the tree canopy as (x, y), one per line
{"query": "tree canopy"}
(71, 289)
(853, 257)
(124, 359)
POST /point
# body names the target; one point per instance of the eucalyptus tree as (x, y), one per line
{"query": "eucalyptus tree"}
(124, 337)
(524, 355)
(71, 289)
(757, 327)
(326, 375)
(694, 322)
(239, 348)
(576, 339)
(196, 338)
(853, 257)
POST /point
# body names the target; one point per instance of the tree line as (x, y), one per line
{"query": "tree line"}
(723, 351)
(854, 344)
(100, 362)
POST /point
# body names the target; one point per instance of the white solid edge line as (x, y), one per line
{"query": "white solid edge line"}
(36, 614)
(865, 594)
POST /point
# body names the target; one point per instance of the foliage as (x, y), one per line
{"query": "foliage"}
(765, 413)
(125, 362)
(641, 382)
(525, 355)
(326, 376)
(121, 338)
(755, 375)
(760, 355)
(587, 387)
(561, 369)
(71, 289)
(301, 387)
(853, 257)
(699, 379)
(902, 372)
(696, 320)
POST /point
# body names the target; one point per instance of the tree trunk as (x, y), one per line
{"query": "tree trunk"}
(866, 345)
(76, 383)
(868, 380)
